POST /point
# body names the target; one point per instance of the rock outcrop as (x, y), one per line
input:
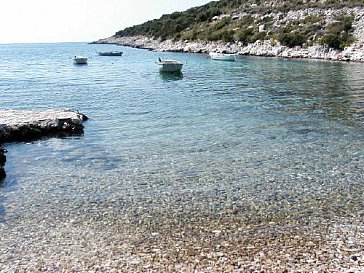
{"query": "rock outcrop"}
(19, 125)
(2, 163)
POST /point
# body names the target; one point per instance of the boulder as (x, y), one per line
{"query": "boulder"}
(20, 125)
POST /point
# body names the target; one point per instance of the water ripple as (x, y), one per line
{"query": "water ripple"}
(222, 125)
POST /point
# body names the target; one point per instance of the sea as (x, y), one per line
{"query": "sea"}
(221, 135)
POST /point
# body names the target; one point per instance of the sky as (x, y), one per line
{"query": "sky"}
(43, 21)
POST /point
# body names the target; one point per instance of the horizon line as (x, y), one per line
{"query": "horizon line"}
(63, 42)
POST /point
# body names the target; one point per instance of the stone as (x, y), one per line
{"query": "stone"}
(2, 175)
(2, 156)
(2, 159)
(20, 125)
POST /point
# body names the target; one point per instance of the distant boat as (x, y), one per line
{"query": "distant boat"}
(110, 53)
(79, 60)
(171, 66)
(222, 56)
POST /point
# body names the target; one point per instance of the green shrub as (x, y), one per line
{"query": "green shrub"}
(179, 25)
(337, 41)
(245, 35)
(258, 36)
(292, 39)
(246, 21)
(337, 34)
(221, 24)
(208, 14)
(227, 36)
(214, 36)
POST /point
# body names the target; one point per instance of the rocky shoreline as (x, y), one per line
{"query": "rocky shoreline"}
(20, 125)
(265, 48)
(354, 53)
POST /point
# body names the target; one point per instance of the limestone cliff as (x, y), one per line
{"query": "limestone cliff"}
(299, 29)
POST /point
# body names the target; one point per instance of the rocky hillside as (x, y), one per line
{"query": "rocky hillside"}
(328, 29)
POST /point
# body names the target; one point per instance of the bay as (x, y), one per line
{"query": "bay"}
(244, 134)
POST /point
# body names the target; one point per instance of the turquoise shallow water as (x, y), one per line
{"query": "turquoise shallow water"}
(222, 134)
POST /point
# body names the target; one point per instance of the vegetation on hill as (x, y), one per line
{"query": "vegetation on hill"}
(250, 20)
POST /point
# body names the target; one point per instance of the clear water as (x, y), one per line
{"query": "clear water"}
(223, 134)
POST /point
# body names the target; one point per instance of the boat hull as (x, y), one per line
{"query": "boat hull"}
(170, 66)
(79, 60)
(223, 57)
(111, 53)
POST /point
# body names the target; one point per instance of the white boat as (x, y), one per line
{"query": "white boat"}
(79, 60)
(222, 56)
(110, 53)
(169, 66)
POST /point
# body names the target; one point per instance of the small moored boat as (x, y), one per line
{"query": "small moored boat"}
(79, 60)
(222, 56)
(171, 66)
(110, 53)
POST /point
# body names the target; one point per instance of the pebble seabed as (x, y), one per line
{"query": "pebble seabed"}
(216, 222)
(187, 231)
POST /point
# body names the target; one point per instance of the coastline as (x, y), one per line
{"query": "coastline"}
(21, 125)
(353, 53)
(203, 190)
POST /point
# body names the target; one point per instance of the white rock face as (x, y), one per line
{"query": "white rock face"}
(18, 125)
(21, 117)
(353, 53)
